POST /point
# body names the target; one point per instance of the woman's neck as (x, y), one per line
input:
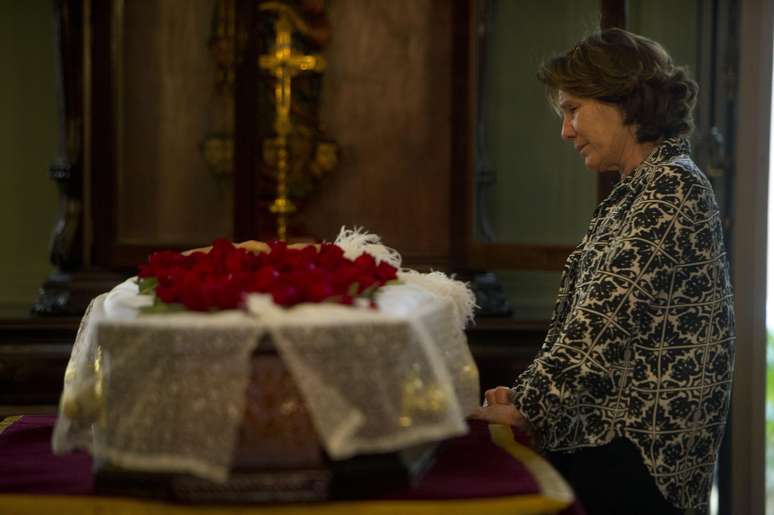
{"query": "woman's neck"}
(638, 154)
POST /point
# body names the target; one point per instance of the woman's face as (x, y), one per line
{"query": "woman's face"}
(597, 131)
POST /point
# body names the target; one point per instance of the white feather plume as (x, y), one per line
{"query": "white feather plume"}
(356, 241)
(444, 286)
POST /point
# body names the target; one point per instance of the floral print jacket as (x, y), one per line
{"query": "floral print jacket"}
(641, 343)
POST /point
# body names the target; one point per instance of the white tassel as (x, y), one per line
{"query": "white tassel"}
(356, 241)
(442, 285)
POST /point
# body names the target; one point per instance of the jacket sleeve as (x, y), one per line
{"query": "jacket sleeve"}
(626, 268)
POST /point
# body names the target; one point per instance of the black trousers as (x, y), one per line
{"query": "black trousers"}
(612, 480)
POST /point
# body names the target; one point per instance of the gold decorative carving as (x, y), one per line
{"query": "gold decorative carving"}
(284, 63)
(291, 139)
(420, 398)
(469, 374)
(87, 404)
(218, 152)
(225, 45)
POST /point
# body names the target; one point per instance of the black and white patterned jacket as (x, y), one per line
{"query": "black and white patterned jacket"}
(641, 343)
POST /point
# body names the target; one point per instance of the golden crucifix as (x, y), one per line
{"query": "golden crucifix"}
(284, 64)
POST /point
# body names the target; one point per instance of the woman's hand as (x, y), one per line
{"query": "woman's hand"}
(498, 408)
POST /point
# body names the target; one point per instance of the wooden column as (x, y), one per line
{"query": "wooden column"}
(613, 15)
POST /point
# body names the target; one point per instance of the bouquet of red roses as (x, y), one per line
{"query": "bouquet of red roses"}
(220, 278)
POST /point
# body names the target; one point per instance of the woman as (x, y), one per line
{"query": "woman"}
(629, 393)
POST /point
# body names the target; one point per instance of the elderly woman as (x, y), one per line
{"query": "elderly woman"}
(630, 391)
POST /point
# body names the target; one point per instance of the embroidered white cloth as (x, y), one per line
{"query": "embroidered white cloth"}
(166, 392)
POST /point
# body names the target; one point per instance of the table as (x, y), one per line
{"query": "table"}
(490, 470)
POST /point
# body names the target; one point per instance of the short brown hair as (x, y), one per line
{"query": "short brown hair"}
(631, 71)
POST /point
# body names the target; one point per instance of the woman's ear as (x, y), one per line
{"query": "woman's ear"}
(633, 128)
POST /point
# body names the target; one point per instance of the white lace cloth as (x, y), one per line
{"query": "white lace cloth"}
(166, 392)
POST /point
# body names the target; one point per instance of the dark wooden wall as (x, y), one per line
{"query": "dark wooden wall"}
(387, 101)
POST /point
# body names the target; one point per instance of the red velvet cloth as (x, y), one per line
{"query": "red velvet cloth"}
(27, 464)
(467, 467)
(471, 466)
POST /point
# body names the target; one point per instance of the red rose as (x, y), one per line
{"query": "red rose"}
(219, 279)
(366, 262)
(344, 276)
(265, 277)
(228, 293)
(364, 282)
(167, 293)
(277, 253)
(386, 272)
(319, 291)
(284, 294)
(193, 295)
(330, 256)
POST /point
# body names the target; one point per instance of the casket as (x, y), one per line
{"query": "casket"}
(269, 404)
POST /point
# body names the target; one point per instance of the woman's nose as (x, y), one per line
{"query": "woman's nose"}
(568, 132)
